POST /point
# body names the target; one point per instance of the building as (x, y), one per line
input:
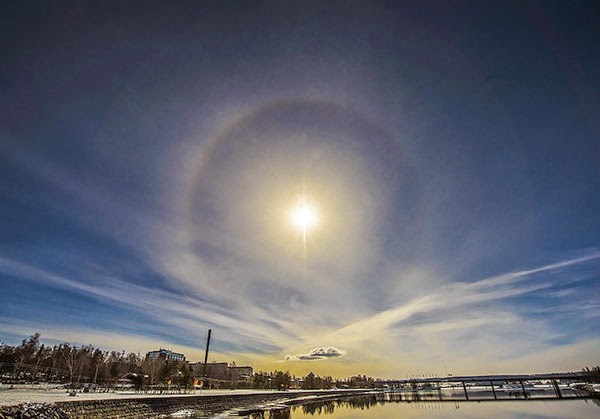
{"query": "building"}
(241, 374)
(216, 370)
(220, 373)
(166, 355)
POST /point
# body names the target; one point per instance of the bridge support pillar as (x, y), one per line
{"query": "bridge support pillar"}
(523, 387)
(556, 388)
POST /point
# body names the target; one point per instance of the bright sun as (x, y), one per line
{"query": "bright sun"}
(304, 216)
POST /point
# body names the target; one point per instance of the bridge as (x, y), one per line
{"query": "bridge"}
(498, 387)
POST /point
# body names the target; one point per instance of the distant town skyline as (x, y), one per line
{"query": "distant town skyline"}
(332, 187)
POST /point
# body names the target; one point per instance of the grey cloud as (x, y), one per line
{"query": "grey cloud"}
(316, 354)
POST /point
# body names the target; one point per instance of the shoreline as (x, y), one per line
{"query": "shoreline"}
(15, 397)
(32, 404)
(56, 404)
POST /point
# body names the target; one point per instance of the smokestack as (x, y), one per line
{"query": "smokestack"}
(206, 353)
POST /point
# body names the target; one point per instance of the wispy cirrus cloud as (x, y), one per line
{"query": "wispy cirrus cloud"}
(106, 340)
(482, 313)
(459, 295)
(468, 324)
(181, 311)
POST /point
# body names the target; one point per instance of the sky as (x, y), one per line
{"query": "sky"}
(151, 154)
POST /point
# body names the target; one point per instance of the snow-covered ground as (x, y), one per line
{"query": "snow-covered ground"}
(29, 394)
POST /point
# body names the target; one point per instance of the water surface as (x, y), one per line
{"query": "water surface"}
(370, 407)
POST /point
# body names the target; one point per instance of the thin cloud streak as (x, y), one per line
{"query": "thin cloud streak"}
(441, 312)
(178, 310)
(129, 342)
(462, 294)
(467, 312)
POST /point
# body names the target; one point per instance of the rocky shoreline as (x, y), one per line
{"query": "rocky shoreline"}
(150, 408)
(33, 411)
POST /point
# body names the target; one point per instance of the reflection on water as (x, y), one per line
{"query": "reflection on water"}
(316, 408)
(273, 414)
(328, 407)
(372, 406)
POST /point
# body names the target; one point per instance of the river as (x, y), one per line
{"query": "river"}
(375, 407)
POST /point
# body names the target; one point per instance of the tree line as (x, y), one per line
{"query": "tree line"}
(33, 361)
(284, 380)
(65, 363)
(593, 373)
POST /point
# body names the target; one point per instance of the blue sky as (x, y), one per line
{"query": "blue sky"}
(150, 155)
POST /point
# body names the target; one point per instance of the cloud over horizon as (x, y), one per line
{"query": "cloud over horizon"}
(316, 354)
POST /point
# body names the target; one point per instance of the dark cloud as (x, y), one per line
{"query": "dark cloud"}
(316, 354)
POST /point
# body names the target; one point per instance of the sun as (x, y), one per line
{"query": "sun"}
(304, 216)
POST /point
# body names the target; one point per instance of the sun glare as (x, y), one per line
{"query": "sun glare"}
(304, 217)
